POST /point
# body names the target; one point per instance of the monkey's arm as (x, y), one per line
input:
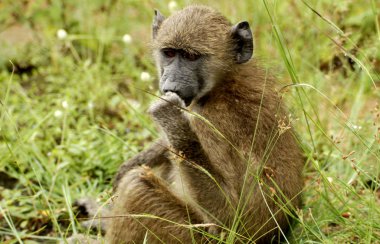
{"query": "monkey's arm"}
(154, 156)
(177, 130)
(209, 192)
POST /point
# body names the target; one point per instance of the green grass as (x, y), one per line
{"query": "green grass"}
(75, 108)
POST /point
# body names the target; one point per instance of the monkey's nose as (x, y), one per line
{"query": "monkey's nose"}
(166, 91)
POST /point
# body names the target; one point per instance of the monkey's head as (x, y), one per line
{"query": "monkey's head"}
(195, 48)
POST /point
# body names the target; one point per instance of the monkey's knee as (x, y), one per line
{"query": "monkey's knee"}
(135, 179)
(140, 186)
(127, 172)
(155, 157)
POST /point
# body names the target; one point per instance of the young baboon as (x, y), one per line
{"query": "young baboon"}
(227, 160)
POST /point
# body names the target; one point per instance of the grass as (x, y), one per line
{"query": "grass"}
(73, 109)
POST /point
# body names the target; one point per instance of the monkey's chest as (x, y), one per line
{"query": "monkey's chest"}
(179, 184)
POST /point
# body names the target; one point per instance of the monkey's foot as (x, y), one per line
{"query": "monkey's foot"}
(89, 207)
(79, 239)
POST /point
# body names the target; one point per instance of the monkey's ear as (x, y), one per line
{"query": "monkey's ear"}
(243, 42)
(157, 21)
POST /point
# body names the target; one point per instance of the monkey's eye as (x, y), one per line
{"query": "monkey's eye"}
(169, 53)
(190, 56)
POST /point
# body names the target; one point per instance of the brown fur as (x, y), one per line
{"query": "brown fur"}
(245, 151)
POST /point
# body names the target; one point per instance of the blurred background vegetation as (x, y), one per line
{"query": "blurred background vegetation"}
(75, 78)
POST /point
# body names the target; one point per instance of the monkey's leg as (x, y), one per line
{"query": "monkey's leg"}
(146, 208)
(152, 157)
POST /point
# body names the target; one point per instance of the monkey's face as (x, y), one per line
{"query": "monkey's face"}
(181, 72)
(196, 48)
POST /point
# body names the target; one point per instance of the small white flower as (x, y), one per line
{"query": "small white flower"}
(144, 76)
(61, 34)
(127, 38)
(87, 63)
(356, 127)
(58, 113)
(65, 104)
(330, 179)
(172, 6)
(33, 137)
(90, 105)
(134, 103)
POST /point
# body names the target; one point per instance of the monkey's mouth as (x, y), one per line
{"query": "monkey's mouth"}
(187, 100)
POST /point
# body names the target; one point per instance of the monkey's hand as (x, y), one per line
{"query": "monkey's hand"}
(168, 109)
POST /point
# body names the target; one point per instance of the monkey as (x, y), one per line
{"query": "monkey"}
(228, 160)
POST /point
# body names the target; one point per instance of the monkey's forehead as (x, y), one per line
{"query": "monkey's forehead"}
(197, 29)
